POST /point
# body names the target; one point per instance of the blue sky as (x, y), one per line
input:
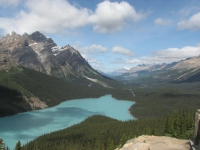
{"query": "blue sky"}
(111, 34)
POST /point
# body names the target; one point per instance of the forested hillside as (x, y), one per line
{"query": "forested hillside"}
(26, 84)
(154, 102)
(11, 102)
(103, 133)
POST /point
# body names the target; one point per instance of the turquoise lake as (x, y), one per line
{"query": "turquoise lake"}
(29, 125)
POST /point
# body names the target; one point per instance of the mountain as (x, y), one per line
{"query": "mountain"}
(187, 70)
(40, 53)
(35, 73)
(119, 72)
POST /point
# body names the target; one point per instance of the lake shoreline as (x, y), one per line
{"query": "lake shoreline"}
(68, 113)
(131, 114)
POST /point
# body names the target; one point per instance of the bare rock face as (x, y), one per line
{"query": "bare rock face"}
(18, 49)
(40, 53)
(197, 127)
(156, 143)
(193, 62)
(6, 61)
(72, 60)
(35, 103)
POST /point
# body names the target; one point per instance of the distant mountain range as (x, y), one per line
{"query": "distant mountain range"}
(40, 53)
(182, 71)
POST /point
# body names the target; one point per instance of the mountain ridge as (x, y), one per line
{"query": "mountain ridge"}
(175, 71)
(40, 53)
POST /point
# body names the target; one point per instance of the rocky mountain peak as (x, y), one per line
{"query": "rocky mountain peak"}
(12, 37)
(25, 35)
(13, 33)
(38, 37)
(71, 49)
(143, 65)
(37, 52)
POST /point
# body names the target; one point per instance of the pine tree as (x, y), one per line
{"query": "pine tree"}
(2, 145)
(36, 146)
(101, 141)
(110, 145)
(123, 140)
(97, 144)
(18, 146)
(154, 131)
(147, 131)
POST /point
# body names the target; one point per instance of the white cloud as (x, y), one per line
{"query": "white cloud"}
(49, 16)
(135, 61)
(167, 56)
(93, 49)
(7, 3)
(122, 51)
(94, 61)
(112, 16)
(162, 22)
(59, 16)
(192, 23)
(176, 53)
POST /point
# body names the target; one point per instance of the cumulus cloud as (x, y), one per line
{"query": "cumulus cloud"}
(162, 22)
(49, 16)
(192, 23)
(176, 53)
(167, 56)
(7, 3)
(93, 49)
(59, 16)
(122, 51)
(135, 61)
(112, 16)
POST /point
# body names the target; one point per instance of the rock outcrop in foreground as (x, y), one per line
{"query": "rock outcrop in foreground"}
(156, 143)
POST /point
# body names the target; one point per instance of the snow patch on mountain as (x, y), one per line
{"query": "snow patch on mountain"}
(57, 49)
(126, 68)
(33, 44)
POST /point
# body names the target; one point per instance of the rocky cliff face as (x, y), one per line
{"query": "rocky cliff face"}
(40, 53)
